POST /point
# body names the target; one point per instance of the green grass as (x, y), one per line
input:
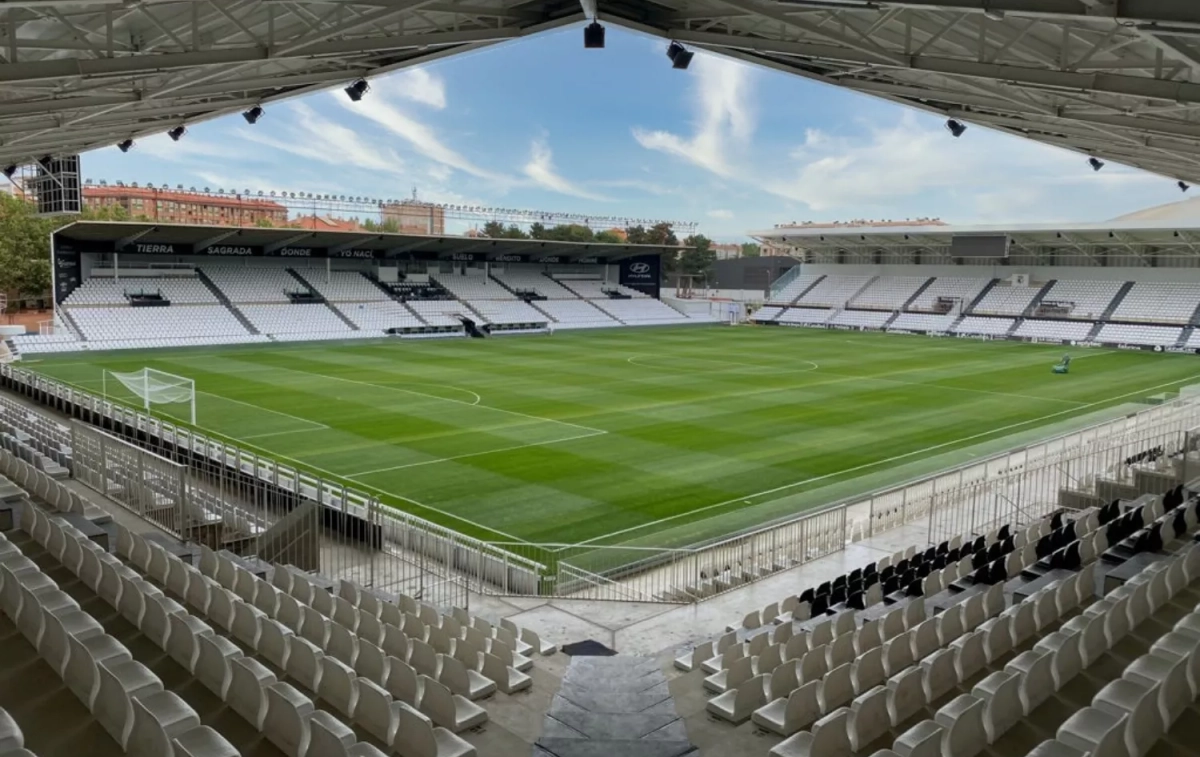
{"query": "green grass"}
(654, 437)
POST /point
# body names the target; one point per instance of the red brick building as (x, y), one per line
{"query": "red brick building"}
(176, 206)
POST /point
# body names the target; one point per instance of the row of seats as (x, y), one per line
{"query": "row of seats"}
(576, 314)
(254, 690)
(520, 279)
(833, 291)
(794, 288)
(342, 286)
(110, 291)
(1126, 716)
(101, 324)
(888, 292)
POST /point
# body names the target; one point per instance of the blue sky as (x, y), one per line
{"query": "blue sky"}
(542, 123)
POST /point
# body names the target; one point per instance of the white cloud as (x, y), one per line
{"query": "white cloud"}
(721, 213)
(420, 136)
(913, 166)
(416, 84)
(541, 171)
(188, 149)
(724, 120)
(312, 136)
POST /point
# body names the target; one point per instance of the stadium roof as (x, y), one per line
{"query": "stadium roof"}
(1113, 78)
(199, 238)
(1135, 236)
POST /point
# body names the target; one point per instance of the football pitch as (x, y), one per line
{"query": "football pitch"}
(650, 437)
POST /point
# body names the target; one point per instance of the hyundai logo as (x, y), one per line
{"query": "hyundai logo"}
(639, 268)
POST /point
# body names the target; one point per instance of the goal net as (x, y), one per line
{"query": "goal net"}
(149, 387)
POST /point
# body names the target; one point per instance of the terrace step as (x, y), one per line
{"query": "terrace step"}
(809, 288)
(224, 300)
(1116, 301)
(920, 290)
(1037, 298)
(979, 297)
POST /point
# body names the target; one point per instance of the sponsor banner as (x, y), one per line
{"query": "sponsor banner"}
(591, 259)
(66, 272)
(551, 259)
(232, 250)
(356, 254)
(641, 273)
(157, 248)
(1136, 347)
(980, 337)
(509, 258)
(465, 257)
(1183, 350)
(301, 252)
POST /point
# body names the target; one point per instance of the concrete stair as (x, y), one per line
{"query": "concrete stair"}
(221, 298)
(1184, 336)
(1116, 301)
(69, 320)
(614, 707)
(1037, 298)
(979, 297)
(920, 290)
(333, 309)
(808, 289)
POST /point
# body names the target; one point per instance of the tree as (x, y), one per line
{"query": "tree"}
(751, 249)
(608, 236)
(390, 226)
(497, 230)
(698, 261)
(264, 223)
(537, 230)
(104, 213)
(570, 232)
(25, 247)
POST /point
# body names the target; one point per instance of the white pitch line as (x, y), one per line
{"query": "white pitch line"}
(474, 454)
(281, 433)
(894, 458)
(316, 426)
(443, 399)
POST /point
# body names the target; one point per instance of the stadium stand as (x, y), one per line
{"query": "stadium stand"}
(794, 288)
(889, 292)
(532, 281)
(598, 289)
(641, 312)
(508, 312)
(834, 291)
(111, 291)
(126, 324)
(808, 316)
(867, 319)
(379, 316)
(984, 326)
(437, 312)
(948, 289)
(961, 648)
(1088, 299)
(342, 286)
(1006, 300)
(1162, 302)
(473, 287)
(252, 284)
(575, 314)
(1122, 333)
(1054, 330)
(937, 324)
(313, 318)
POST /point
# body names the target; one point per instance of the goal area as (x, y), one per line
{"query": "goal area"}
(149, 387)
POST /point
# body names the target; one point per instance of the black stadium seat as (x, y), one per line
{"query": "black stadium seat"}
(999, 572)
(824, 589)
(807, 595)
(820, 604)
(915, 589)
(856, 601)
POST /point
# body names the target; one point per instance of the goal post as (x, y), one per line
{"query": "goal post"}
(152, 387)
